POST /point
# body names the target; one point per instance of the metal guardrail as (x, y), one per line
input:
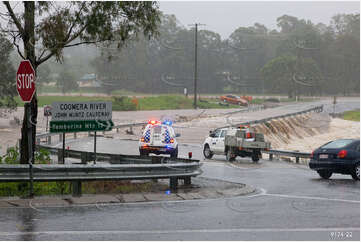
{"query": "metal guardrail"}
(128, 125)
(251, 108)
(60, 172)
(79, 173)
(314, 109)
(296, 154)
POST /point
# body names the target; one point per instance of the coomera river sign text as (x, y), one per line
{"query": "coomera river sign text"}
(84, 116)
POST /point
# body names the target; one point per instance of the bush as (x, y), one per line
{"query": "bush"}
(42, 156)
(12, 156)
(123, 104)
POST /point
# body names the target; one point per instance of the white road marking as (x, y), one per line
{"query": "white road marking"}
(236, 230)
(312, 198)
(240, 168)
(214, 164)
(37, 209)
(261, 193)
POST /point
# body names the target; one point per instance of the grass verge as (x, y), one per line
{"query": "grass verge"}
(353, 115)
(21, 189)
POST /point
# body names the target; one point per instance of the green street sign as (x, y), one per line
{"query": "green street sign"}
(80, 126)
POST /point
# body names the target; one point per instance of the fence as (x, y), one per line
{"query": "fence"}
(295, 154)
(314, 109)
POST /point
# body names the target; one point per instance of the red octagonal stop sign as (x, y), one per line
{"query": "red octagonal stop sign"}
(25, 80)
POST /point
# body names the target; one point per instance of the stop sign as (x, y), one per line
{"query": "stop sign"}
(25, 80)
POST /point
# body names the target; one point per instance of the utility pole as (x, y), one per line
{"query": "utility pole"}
(195, 62)
(195, 66)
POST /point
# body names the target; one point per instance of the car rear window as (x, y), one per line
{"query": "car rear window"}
(338, 144)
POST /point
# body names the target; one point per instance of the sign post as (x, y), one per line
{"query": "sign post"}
(81, 117)
(47, 113)
(25, 85)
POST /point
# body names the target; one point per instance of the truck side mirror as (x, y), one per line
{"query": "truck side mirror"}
(212, 135)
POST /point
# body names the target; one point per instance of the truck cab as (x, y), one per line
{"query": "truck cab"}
(215, 141)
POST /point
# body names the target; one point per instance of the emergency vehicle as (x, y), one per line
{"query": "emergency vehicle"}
(159, 138)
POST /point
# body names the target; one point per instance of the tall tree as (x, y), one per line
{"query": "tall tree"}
(46, 28)
(292, 75)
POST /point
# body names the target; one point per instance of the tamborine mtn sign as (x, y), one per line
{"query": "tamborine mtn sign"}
(81, 116)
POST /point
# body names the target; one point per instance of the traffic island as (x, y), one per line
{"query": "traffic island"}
(201, 188)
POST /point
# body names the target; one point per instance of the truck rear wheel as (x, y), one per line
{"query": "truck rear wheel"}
(230, 156)
(255, 156)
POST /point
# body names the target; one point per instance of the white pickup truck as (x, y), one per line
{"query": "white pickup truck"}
(234, 142)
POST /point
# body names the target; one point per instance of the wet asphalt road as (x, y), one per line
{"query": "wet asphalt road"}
(291, 203)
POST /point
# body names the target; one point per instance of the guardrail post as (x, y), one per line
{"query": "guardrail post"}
(270, 156)
(117, 130)
(60, 157)
(83, 158)
(76, 188)
(297, 159)
(173, 183)
(75, 135)
(49, 140)
(61, 137)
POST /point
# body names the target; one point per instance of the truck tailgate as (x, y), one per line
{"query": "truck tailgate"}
(253, 144)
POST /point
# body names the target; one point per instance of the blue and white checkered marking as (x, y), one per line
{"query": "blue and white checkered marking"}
(166, 136)
(147, 136)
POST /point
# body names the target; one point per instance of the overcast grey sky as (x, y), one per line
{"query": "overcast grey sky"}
(224, 17)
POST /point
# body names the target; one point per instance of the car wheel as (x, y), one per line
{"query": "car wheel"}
(174, 154)
(356, 173)
(229, 156)
(325, 174)
(143, 153)
(207, 152)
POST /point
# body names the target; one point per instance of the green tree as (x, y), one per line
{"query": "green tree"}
(7, 75)
(343, 58)
(291, 75)
(46, 28)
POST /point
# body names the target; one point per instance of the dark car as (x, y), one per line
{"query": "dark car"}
(338, 156)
